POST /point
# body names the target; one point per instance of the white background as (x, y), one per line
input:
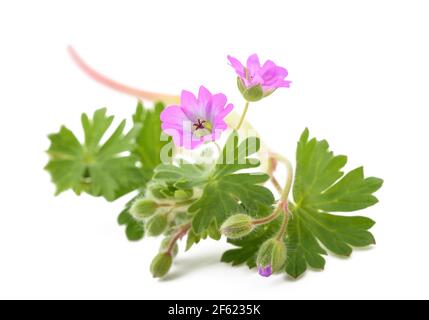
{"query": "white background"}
(360, 79)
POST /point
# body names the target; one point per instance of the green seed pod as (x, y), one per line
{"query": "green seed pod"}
(164, 244)
(143, 208)
(271, 256)
(251, 94)
(237, 226)
(161, 264)
(157, 225)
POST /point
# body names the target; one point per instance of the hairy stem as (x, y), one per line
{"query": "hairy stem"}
(283, 227)
(284, 195)
(269, 218)
(178, 235)
(272, 165)
(243, 116)
(184, 203)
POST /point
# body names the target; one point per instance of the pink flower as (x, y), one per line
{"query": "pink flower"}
(196, 120)
(267, 77)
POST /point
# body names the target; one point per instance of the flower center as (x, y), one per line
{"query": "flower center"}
(201, 128)
(199, 124)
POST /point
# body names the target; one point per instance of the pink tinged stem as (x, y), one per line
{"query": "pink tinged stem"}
(100, 78)
(179, 234)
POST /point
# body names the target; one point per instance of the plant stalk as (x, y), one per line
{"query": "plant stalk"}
(243, 116)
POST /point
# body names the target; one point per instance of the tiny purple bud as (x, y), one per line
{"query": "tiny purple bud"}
(265, 271)
(271, 257)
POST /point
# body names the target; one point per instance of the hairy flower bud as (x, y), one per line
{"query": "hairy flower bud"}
(156, 225)
(164, 245)
(271, 257)
(183, 194)
(143, 208)
(158, 192)
(237, 226)
(161, 264)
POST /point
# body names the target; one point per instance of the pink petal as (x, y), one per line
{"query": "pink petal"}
(253, 63)
(239, 68)
(181, 127)
(188, 98)
(204, 103)
(220, 125)
(284, 84)
(173, 114)
(175, 133)
(189, 104)
(267, 65)
(204, 95)
(223, 113)
(218, 104)
(270, 77)
(219, 99)
(194, 143)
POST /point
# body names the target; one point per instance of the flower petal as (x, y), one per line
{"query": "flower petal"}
(204, 95)
(222, 114)
(183, 122)
(265, 271)
(284, 84)
(188, 98)
(218, 104)
(189, 104)
(267, 65)
(173, 114)
(239, 68)
(204, 103)
(253, 63)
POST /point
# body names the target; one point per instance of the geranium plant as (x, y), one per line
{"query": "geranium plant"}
(196, 174)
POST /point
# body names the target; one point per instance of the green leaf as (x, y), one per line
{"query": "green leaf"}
(150, 139)
(227, 192)
(236, 156)
(191, 240)
(184, 176)
(319, 186)
(223, 197)
(317, 179)
(302, 248)
(98, 168)
(212, 232)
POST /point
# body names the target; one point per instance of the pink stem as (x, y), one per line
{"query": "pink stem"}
(100, 78)
(184, 230)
